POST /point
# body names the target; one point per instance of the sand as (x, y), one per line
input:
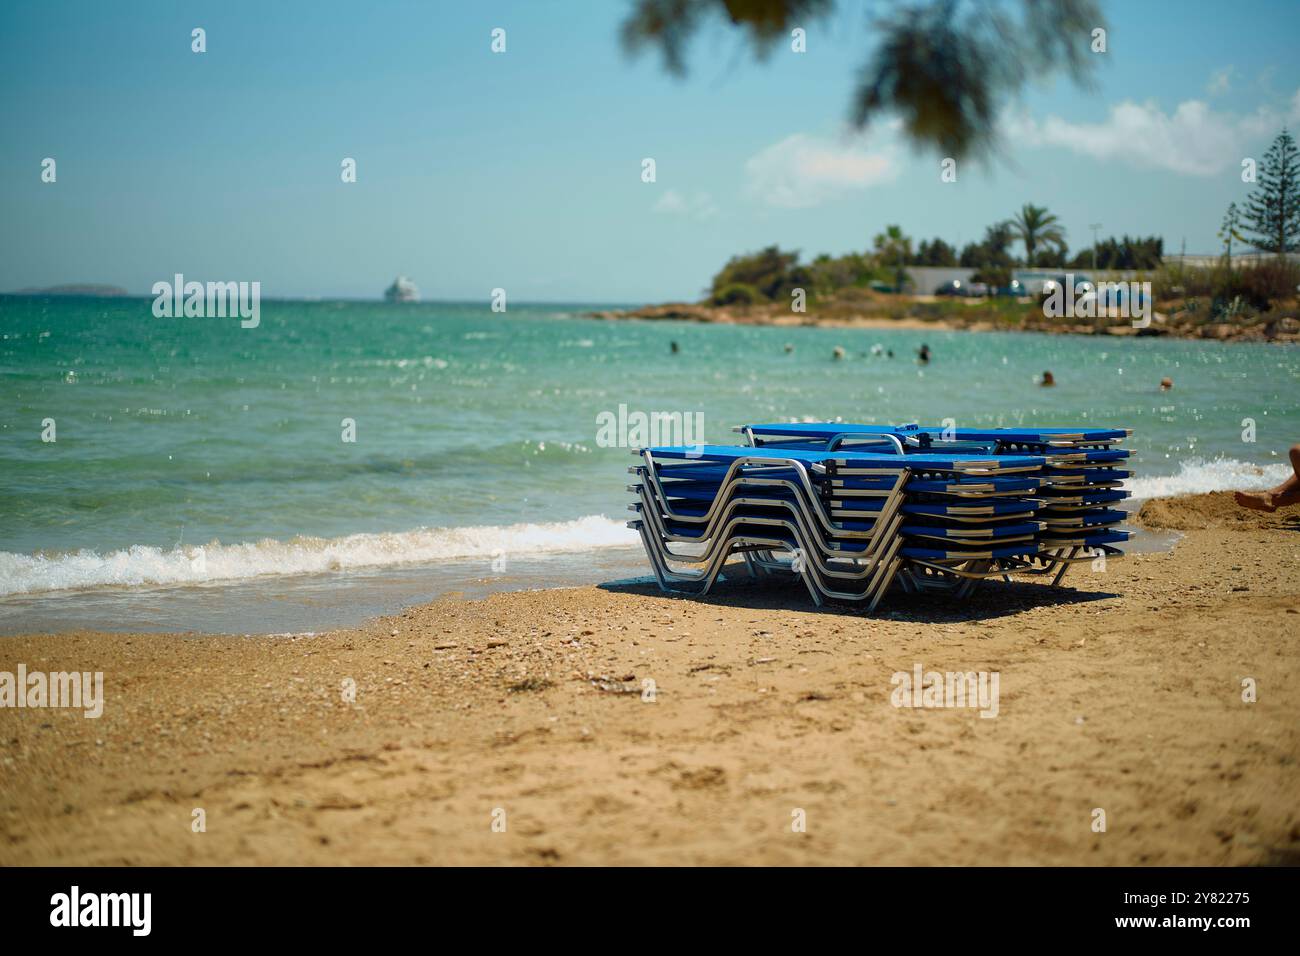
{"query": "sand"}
(1122, 693)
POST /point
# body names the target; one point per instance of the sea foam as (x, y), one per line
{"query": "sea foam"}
(1198, 476)
(144, 565)
(213, 563)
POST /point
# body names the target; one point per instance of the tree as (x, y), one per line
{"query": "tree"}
(991, 259)
(830, 274)
(1036, 226)
(893, 250)
(1230, 231)
(770, 272)
(1052, 258)
(945, 67)
(1272, 213)
(993, 251)
(934, 253)
(1129, 253)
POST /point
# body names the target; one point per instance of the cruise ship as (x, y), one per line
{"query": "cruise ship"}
(402, 290)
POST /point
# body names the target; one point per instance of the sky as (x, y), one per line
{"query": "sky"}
(522, 170)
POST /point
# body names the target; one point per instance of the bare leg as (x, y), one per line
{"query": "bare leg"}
(1287, 493)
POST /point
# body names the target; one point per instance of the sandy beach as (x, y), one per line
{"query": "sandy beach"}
(1122, 693)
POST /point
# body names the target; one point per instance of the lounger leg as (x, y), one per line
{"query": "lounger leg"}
(884, 585)
(1065, 566)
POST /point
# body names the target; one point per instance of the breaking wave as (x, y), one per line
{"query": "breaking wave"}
(1199, 475)
(202, 564)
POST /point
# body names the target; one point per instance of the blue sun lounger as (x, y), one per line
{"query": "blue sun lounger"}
(836, 433)
(838, 516)
(852, 509)
(1083, 471)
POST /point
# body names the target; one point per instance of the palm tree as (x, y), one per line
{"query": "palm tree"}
(894, 248)
(1037, 227)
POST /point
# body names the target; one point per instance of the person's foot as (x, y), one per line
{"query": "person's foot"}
(1256, 500)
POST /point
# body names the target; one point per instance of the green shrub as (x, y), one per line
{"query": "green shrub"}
(737, 293)
(1270, 281)
(1259, 286)
(770, 273)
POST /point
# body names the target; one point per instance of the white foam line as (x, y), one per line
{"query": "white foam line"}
(144, 565)
(1198, 476)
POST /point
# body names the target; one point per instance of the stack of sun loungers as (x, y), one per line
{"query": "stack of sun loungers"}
(854, 509)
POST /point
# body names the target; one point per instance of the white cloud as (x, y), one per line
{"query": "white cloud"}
(1220, 81)
(697, 206)
(1194, 139)
(802, 171)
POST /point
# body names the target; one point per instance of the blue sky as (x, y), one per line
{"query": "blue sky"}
(522, 170)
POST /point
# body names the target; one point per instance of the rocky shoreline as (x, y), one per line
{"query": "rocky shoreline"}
(978, 316)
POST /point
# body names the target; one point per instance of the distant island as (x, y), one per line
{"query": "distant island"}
(77, 288)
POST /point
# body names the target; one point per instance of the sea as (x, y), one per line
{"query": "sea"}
(344, 459)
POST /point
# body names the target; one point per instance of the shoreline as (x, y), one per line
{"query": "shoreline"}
(344, 598)
(863, 315)
(1121, 691)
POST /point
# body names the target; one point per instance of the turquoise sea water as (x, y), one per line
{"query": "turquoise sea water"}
(199, 467)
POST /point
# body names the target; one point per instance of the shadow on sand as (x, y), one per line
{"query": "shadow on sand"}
(993, 599)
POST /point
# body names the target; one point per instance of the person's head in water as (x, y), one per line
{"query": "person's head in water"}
(673, 346)
(1047, 380)
(923, 353)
